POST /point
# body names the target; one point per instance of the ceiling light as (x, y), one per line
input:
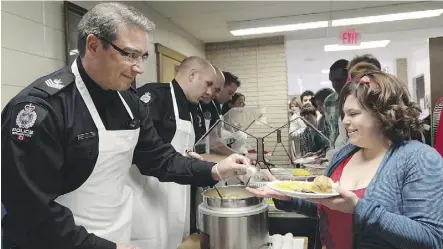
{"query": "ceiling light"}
(280, 28)
(387, 18)
(363, 45)
(325, 71)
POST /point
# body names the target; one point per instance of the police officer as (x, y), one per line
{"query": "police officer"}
(211, 109)
(172, 109)
(203, 124)
(69, 138)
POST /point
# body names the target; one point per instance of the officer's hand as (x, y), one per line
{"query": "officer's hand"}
(126, 246)
(250, 172)
(233, 166)
(193, 155)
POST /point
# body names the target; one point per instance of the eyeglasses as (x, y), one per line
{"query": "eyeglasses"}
(129, 57)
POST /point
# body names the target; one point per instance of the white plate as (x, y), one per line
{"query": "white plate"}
(305, 160)
(302, 195)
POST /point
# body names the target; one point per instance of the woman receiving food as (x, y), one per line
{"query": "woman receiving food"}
(390, 186)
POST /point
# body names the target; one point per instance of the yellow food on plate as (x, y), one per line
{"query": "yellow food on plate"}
(323, 184)
(301, 172)
(295, 186)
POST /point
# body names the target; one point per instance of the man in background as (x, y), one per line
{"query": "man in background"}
(338, 74)
(212, 109)
(306, 97)
(319, 99)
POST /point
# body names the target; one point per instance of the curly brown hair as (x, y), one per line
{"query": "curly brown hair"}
(387, 98)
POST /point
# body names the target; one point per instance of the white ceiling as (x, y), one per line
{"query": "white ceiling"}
(209, 20)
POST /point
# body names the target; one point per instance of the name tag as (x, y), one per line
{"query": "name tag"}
(87, 135)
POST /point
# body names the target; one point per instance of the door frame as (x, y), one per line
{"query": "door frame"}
(161, 51)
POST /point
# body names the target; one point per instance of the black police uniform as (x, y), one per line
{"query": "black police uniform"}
(158, 97)
(211, 111)
(53, 149)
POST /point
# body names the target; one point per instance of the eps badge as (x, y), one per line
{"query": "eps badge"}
(25, 119)
(207, 115)
(145, 98)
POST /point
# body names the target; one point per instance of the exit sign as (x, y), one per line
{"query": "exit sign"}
(350, 37)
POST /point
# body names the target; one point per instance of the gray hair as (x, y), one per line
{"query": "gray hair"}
(105, 20)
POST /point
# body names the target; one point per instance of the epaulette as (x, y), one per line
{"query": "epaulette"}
(54, 83)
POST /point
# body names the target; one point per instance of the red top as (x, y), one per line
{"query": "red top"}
(336, 227)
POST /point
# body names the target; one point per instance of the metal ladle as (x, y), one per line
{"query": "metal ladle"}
(218, 192)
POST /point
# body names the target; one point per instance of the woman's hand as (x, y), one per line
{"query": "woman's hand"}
(345, 203)
(266, 192)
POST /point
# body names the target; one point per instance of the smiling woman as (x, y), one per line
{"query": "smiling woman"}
(381, 165)
(385, 98)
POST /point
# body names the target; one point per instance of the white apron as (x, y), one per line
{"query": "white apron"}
(103, 204)
(162, 210)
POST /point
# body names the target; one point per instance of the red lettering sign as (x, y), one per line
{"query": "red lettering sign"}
(350, 37)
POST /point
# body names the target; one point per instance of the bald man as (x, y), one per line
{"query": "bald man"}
(203, 123)
(161, 216)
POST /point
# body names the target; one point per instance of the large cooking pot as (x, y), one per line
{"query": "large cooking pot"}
(238, 221)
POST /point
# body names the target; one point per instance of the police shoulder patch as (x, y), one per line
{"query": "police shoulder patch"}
(25, 117)
(53, 83)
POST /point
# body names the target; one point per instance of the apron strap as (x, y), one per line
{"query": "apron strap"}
(126, 106)
(87, 97)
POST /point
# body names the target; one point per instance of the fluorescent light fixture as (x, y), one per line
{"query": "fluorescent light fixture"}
(73, 52)
(280, 28)
(387, 18)
(363, 45)
(325, 71)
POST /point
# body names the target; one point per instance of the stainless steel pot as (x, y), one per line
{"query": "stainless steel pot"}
(239, 221)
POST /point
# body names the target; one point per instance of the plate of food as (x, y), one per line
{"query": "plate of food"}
(321, 187)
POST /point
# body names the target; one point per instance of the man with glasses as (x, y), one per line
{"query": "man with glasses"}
(70, 137)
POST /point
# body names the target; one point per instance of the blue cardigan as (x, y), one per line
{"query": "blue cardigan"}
(402, 207)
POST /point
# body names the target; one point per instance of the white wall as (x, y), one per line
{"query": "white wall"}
(306, 58)
(418, 64)
(33, 42)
